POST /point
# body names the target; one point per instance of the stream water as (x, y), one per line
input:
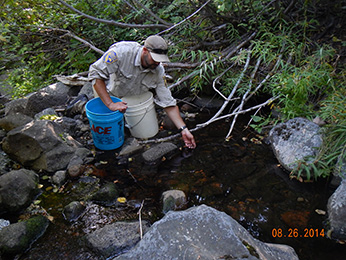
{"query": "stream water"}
(240, 177)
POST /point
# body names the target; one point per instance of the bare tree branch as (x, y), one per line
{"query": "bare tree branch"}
(182, 65)
(68, 33)
(157, 18)
(216, 80)
(187, 18)
(183, 79)
(240, 107)
(266, 78)
(233, 90)
(270, 100)
(228, 54)
(111, 22)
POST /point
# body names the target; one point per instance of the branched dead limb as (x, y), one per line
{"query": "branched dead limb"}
(216, 80)
(67, 33)
(199, 126)
(181, 65)
(270, 100)
(111, 22)
(266, 78)
(164, 139)
(240, 107)
(229, 98)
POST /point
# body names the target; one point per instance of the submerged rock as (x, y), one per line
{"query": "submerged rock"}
(172, 200)
(106, 195)
(59, 178)
(75, 166)
(17, 238)
(158, 151)
(203, 233)
(73, 211)
(129, 147)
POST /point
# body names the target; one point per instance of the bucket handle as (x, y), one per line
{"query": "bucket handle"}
(146, 111)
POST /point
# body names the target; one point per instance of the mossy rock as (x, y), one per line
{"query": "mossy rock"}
(17, 238)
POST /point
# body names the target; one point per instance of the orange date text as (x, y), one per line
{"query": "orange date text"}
(295, 232)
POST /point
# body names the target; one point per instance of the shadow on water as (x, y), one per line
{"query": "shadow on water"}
(239, 177)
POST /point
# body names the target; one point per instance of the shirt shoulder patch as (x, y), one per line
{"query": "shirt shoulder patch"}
(110, 57)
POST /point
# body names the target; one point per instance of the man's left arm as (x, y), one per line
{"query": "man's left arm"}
(174, 114)
(164, 99)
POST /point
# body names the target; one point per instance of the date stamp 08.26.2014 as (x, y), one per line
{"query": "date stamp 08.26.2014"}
(295, 232)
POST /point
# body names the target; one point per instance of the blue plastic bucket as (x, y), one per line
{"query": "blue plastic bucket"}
(107, 126)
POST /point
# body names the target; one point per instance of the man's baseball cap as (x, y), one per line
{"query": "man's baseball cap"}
(157, 47)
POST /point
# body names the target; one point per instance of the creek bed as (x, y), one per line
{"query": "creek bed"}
(240, 177)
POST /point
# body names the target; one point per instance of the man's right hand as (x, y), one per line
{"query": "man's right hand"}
(120, 106)
(101, 90)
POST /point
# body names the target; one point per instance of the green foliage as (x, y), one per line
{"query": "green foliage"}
(35, 47)
(260, 122)
(333, 151)
(23, 82)
(204, 72)
(301, 86)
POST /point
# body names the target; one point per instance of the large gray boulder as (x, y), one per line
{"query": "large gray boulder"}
(40, 145)
(17, 189)
(337, 213)
(295, 140)
(203, 233)
(53, 95)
